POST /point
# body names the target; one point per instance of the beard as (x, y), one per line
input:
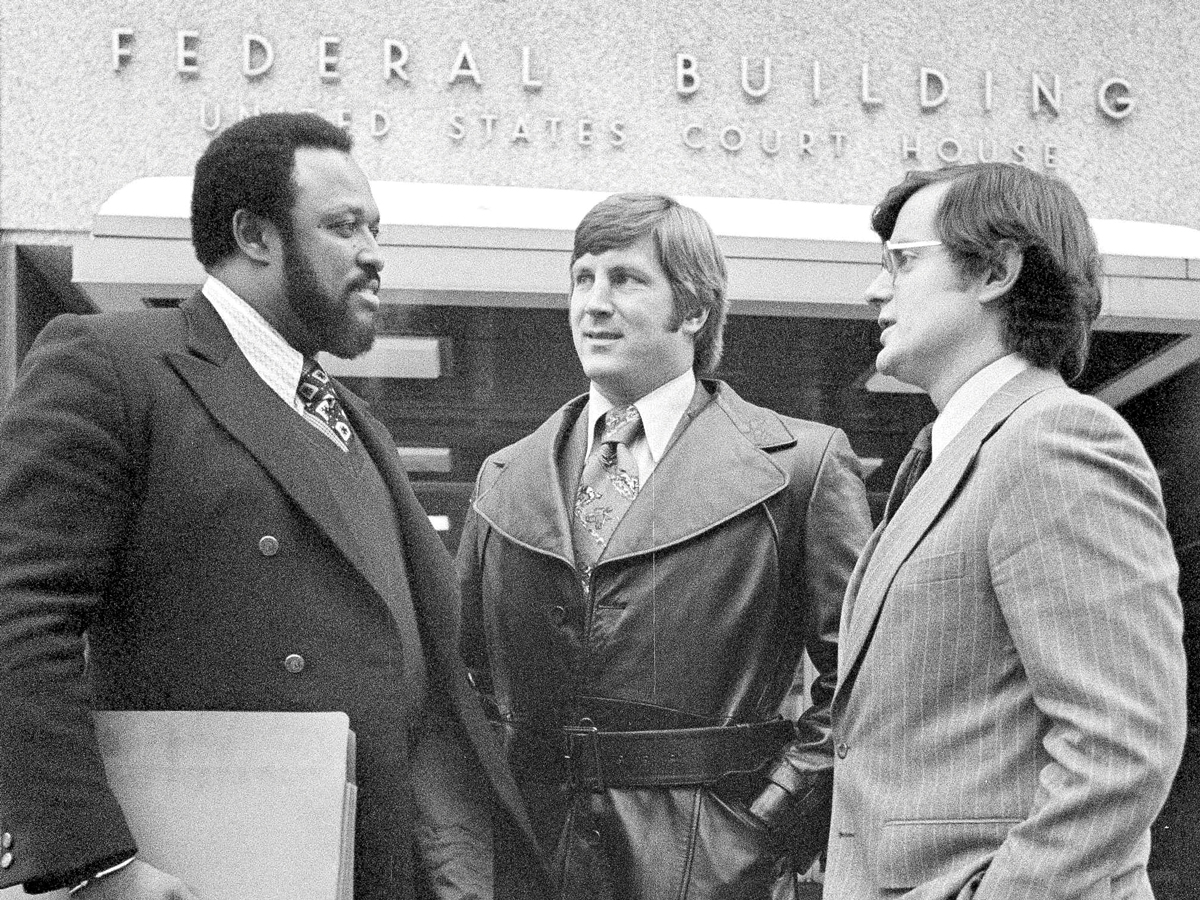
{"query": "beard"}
(329, 318)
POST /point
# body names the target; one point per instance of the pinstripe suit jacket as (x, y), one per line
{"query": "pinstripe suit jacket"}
(1010, 708)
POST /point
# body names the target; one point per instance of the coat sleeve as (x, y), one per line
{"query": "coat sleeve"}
(475, 642)
(1085, 575)
(836, 523)
(457, 806)
(454, 812)
(68, 460)
(468, 563)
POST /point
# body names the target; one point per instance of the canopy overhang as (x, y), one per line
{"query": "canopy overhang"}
(510, 246)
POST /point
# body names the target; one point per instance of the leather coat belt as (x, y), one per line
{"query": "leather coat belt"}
(599, 759)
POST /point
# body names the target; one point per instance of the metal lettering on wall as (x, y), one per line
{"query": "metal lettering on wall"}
(1042, 95)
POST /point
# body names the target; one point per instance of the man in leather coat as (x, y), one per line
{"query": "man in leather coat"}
(642, 577)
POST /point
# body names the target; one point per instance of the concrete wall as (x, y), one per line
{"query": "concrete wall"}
(73, 128)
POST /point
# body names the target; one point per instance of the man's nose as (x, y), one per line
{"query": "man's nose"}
(370, 254)
(879, 291)
(599, 298)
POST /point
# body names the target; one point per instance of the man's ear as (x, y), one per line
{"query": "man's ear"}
(254, 235)
(999, 278)
(692, 324)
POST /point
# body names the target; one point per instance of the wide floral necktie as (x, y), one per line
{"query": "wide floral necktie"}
(607, 487)
(321, 405)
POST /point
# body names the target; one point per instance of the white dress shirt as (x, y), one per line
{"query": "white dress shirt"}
(276, 361)
(661, 410)
(969, 398)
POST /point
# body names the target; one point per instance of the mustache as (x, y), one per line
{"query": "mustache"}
(368, 279)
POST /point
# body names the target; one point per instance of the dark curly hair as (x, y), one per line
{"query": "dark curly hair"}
(249, 166)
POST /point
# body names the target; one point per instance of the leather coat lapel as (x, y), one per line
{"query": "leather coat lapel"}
(716, 468)
(726, 442)
(226, 384)
(887, 550)
(530, 471)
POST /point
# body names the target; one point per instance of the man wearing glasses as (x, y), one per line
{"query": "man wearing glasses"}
(1010, 703)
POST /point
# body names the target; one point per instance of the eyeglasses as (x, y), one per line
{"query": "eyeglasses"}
(893, 253)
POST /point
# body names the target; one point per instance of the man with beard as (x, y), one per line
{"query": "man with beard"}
(231, 530)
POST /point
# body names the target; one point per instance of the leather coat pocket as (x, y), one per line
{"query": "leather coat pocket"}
(734, 855)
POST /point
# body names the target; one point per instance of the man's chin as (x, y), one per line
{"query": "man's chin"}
(352, 344)
(885, 363)
(894, 367)
(598, 364)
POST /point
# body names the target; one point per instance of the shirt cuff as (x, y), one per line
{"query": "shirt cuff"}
(103, 873)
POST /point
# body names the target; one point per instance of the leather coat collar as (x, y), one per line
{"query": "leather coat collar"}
(719, 466)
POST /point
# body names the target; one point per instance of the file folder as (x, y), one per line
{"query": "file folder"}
(240, 806)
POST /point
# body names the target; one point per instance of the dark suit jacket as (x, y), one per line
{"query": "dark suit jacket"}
(142, 465)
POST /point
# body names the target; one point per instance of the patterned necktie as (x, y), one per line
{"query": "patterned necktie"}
(913, 466)
(607, 486)
(321, 405)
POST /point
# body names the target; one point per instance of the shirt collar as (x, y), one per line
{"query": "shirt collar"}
(660, 410)
(969, 398)
(276, 361)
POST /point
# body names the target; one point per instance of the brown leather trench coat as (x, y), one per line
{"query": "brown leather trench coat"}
(731, 562)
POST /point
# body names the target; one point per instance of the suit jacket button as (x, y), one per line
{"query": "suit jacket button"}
(558, 615)
(294, 663)
(5, 860)
(6, 840)
(842, 750)
(268, 545)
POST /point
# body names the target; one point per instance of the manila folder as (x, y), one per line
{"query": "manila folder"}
(240, 805)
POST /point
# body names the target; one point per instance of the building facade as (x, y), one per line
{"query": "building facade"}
(490, 126)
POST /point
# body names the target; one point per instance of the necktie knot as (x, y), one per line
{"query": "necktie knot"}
(321, 405)
(621, 425)
(923, 442)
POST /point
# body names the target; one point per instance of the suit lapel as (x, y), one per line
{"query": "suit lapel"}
(427, 562)
(433, 586)
(715, 468)
(226, 384)
(850, 615)
(889, 547)
(530, 470)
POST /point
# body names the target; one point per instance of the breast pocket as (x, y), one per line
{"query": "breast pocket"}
(931, 568)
